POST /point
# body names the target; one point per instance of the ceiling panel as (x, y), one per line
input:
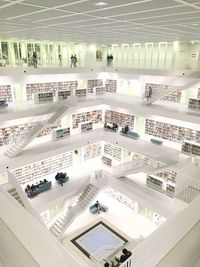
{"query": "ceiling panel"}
(135, 7)
(117, 21)
(156, 13)
(68, 19)
(49, 3)
(90, 5)
(41, 15)
(17, 10)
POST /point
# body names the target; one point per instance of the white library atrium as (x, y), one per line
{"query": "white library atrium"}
(100, 133)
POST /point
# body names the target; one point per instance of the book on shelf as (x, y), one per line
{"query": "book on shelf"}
(6, 93)
(170, 132)
(60, 133)
(85, 127)
(194, 104)
(191, 148)
(44, 167)
(94, 116)
(120, 118)
(107, 161)
(91, 151)
(111, 86)
(34, 88)
(42, 98)
(93, 83)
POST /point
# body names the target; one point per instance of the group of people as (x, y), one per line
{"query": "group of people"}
(109, 60)
(30, 189)
(60, 176)
(74, 61)
(114, 126)
(117, 261)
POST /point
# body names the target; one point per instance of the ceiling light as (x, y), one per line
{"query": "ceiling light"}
(101, 4)
(195, 24)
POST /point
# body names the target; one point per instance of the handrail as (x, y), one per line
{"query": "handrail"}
(154, 247)
(52, 252)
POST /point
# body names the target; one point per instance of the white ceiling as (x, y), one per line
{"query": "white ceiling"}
(120, 21)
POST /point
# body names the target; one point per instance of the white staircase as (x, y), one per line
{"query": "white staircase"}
(68, 215)
(28, 134)
(13, 192)
(170, 89)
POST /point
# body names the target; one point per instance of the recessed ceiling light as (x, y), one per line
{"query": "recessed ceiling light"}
(101, 4)
(194, 24)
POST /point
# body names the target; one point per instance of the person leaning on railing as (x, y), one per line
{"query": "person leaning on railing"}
(126, 254)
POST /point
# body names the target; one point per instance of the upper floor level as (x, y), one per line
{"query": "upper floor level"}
(162, 55)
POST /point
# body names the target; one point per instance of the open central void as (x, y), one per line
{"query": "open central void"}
(99, 241)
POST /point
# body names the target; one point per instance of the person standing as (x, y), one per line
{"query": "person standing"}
(35, 59)
(75, 61)
(72, 61)
(108, 60)
(149, 95)
(60, 60)
(111, 60)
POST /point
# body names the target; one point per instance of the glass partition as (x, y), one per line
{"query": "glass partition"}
(161, 55)
(5, 58)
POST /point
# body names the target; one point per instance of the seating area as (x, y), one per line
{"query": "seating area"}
(3, 104)
(61, 178)
(112, 128)
(94, 209)
(36, 189)
(131, 134)
(156, 141)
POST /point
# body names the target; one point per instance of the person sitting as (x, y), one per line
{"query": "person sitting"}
(57, 176)
(125, 129)
(126, 254)
(45, 181)
(115, 126)
(99, 207)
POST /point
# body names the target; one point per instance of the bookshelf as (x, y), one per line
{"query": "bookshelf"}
(94, 116)
(61, 95)
(170, 190)
(80, 92)
(6, 93)
(34, 88)
(100, 90)
(93, 83)
(120, 118)
(163, 182)
(132, 204)
(173, 97)
(154, 182)
(86, 127)
(61, 133)
(47, 130)
(42, 98)
(113, 151)
(111, 86)
(170, 132)
(191, 148)
(194, 104)
(91, 151)
(168, 176)
(12, 133)
(39, 169)
(107, 161)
